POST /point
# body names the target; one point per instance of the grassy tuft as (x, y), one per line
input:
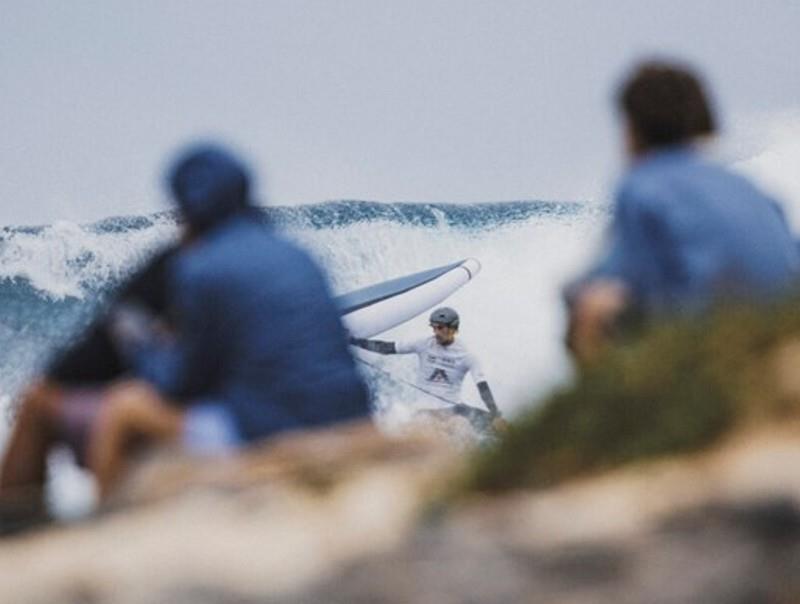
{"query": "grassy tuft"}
(675, 388)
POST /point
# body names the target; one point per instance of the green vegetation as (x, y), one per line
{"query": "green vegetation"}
(675, 388)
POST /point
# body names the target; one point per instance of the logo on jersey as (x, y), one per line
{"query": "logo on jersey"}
(442, 360)
(439, 375)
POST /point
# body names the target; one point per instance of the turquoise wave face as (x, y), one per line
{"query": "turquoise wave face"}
(334, 214)
(32, 325)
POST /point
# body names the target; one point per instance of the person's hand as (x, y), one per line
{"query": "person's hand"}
(595, 308)
(499, 424)
(130, 325)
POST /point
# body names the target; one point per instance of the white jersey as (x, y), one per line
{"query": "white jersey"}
(442, 368)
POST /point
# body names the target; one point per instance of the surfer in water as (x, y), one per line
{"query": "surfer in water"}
(443, 363)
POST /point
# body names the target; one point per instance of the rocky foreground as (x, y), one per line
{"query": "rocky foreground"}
(350, 516)
(667, 473)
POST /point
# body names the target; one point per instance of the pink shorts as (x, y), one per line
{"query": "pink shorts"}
(208, 428)
(79, 409)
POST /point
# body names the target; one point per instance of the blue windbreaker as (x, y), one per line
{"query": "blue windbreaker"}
(258, 333)
(687, 232)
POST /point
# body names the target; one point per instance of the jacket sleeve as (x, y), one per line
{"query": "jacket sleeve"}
(629, 254)
(186, 366)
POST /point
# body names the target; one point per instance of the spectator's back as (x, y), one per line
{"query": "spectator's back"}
(689, 232)
(264, 334)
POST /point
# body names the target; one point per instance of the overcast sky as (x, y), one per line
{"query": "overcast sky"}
(361, 99)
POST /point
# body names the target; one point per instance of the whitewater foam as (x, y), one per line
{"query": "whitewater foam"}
(771, 156)
(69, 260)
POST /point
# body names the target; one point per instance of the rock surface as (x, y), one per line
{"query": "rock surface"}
(348, 516)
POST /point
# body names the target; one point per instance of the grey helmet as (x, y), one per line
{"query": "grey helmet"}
(445, 316)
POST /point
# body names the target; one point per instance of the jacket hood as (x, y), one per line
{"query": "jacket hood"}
(208, 184)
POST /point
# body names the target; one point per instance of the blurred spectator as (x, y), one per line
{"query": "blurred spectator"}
(253, 345)
(686, 233)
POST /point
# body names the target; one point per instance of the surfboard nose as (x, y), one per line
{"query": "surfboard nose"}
(472, 266)
(377, 308)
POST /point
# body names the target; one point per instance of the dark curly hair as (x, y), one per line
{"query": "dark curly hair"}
(665, 104)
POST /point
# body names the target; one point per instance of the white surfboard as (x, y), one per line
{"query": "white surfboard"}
(377, 308)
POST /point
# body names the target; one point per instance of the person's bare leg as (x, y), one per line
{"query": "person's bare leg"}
(132, 411)
(23, 469)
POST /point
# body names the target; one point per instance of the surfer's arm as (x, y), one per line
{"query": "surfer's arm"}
(378, 346)
(483, 386)
(488, 398)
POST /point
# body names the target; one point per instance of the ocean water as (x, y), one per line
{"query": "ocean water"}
(53, 278)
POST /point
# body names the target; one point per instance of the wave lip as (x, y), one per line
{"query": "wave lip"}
(65, 259)
(335, 214)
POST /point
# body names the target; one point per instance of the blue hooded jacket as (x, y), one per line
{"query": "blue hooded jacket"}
(257, 329)
(687, 233)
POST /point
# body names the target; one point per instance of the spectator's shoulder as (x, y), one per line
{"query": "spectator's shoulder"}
(646, 186)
